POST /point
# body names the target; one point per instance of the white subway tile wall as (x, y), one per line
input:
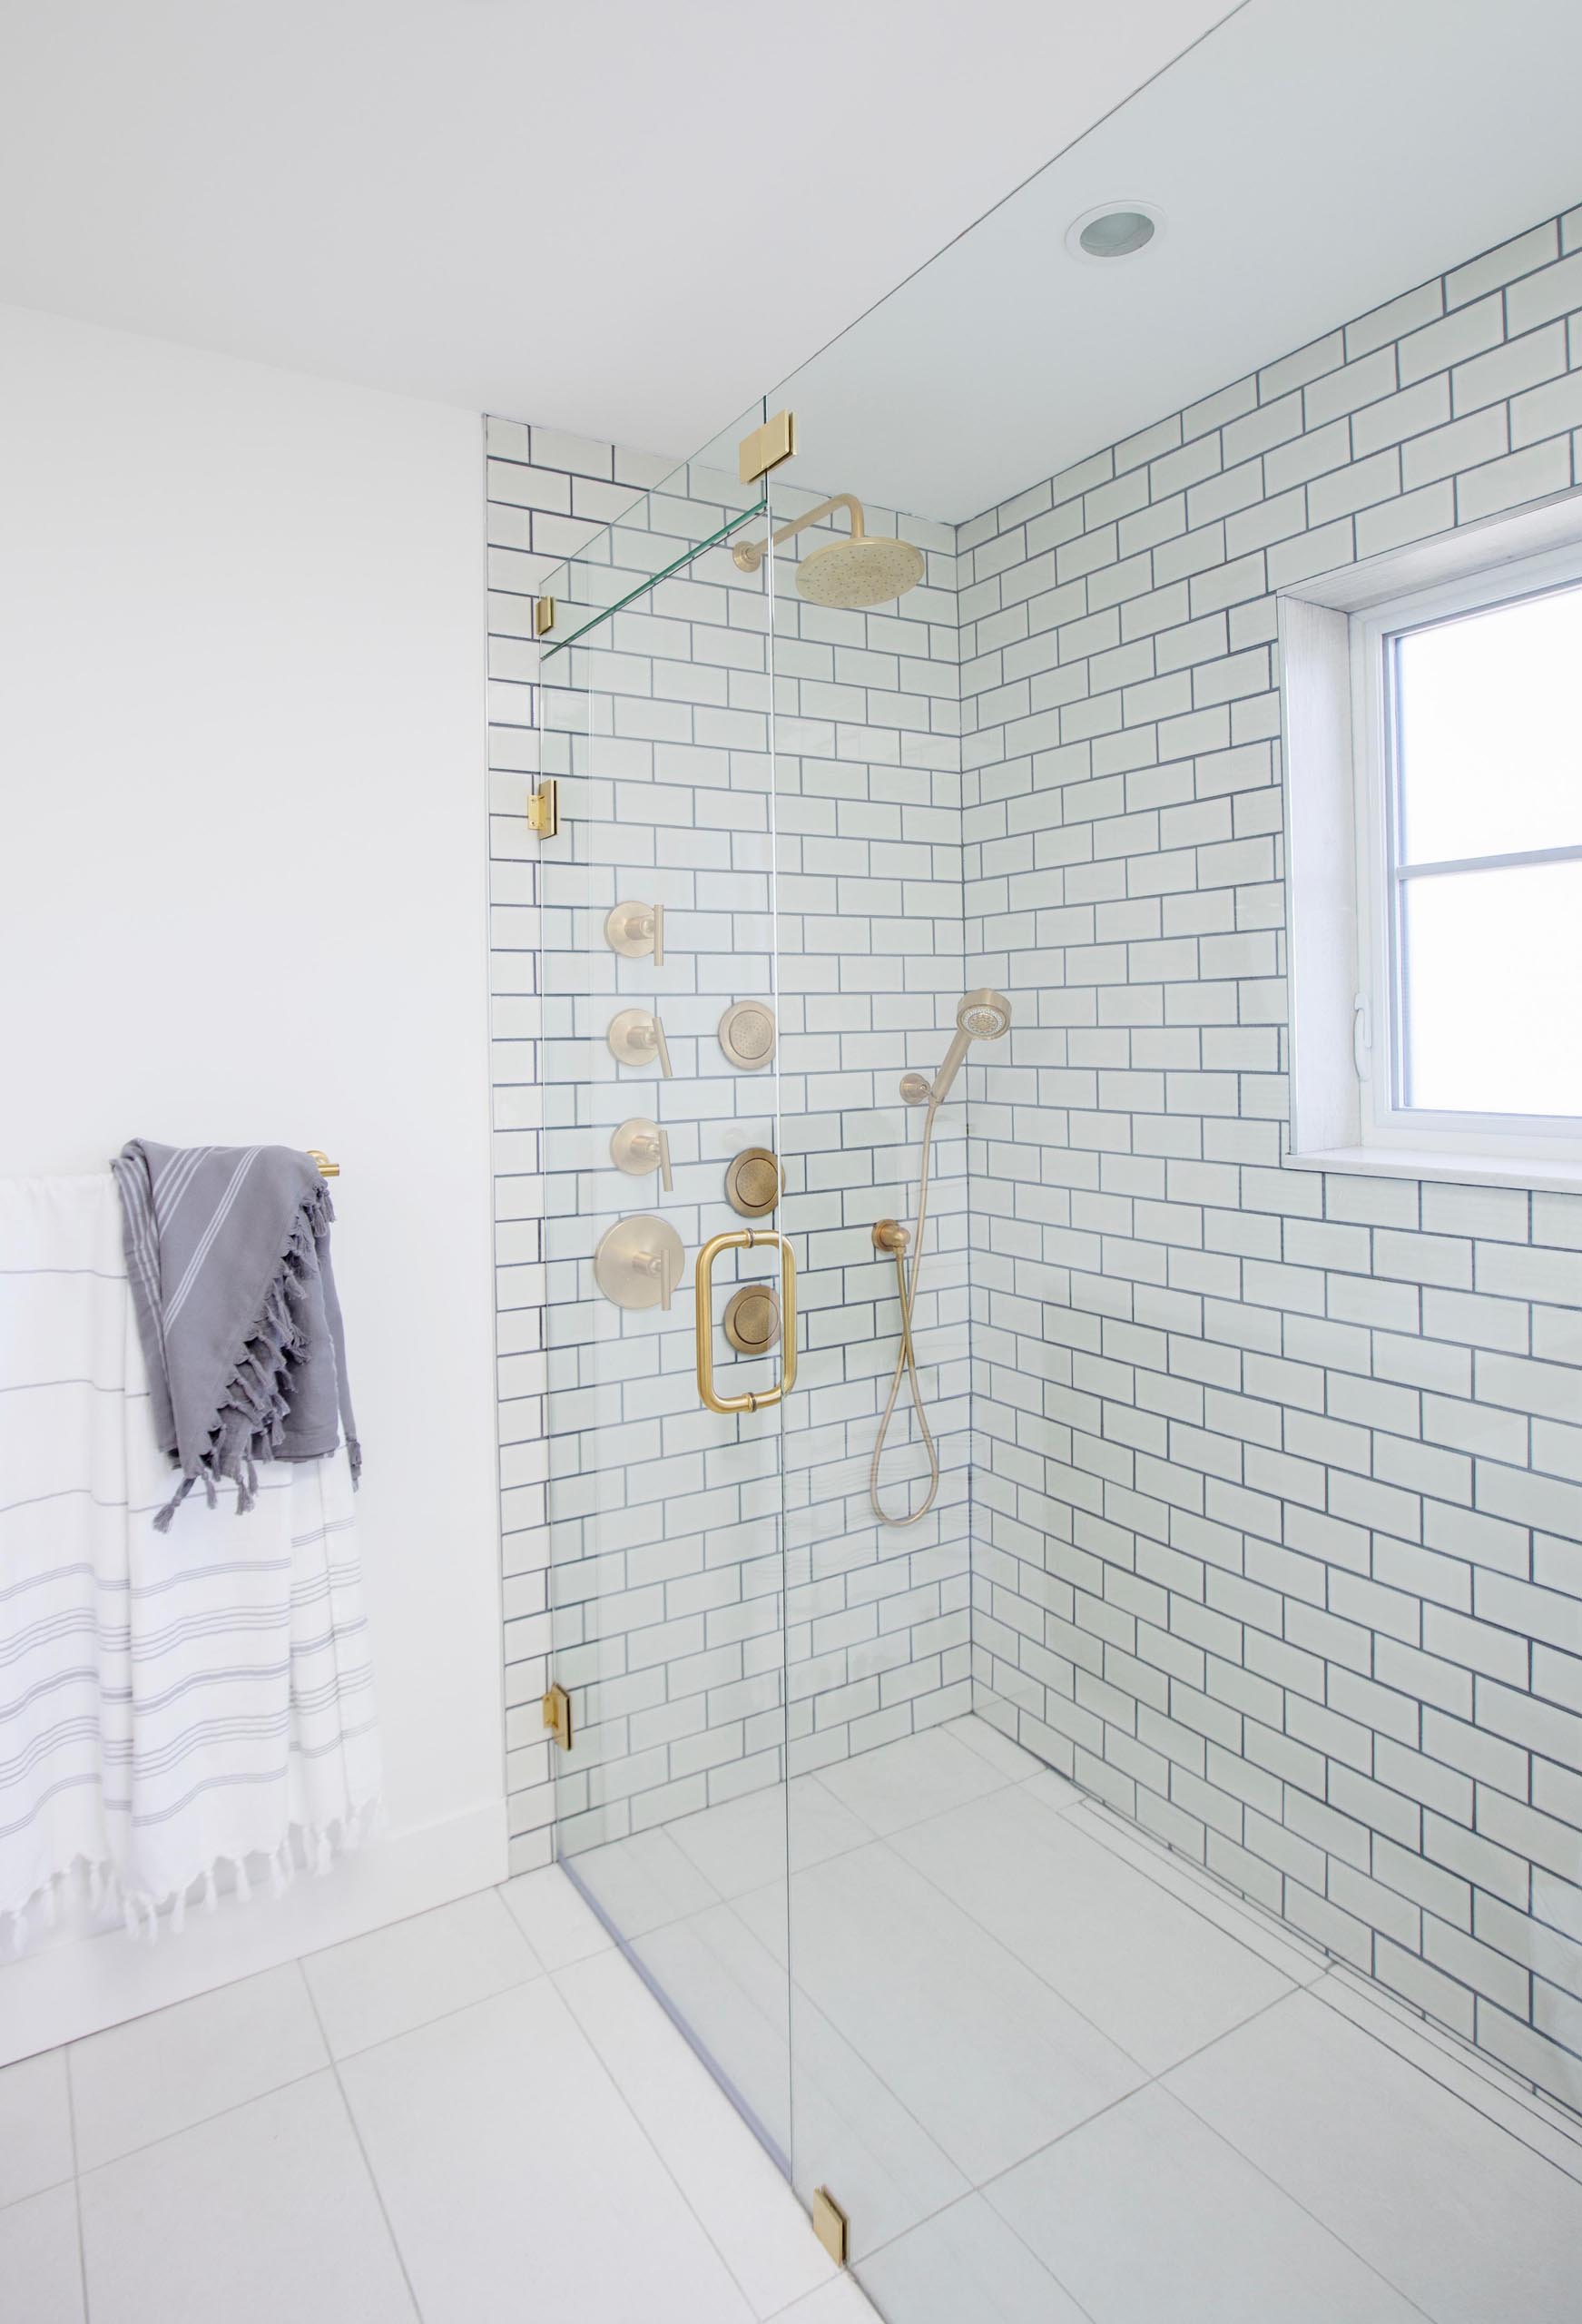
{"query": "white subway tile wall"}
(1275, 1481)
(693, 1679)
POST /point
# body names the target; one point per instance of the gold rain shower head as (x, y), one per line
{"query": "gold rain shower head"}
(866, 569)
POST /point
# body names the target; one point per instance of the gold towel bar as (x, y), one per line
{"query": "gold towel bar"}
(327, 1168)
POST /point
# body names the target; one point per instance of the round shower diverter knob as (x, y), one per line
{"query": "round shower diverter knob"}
(754, 1181)
(747, 1034)
(752, 1319)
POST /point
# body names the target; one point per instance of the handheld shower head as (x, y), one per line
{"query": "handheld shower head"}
(982, 1016)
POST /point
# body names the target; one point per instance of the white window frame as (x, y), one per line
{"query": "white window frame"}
(1339, 799)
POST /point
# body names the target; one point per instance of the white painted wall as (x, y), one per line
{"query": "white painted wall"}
(242, 897)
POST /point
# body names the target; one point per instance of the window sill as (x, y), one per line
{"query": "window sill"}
(1455, 1169)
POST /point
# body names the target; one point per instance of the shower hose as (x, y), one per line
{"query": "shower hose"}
(906, 1362)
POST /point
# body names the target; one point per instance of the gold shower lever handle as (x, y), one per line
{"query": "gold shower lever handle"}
(639, 1263)
(636, 1036)
(745, 1238)
(638, 1146)
(632, 930)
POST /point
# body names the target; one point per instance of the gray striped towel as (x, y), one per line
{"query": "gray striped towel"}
(228, 1251)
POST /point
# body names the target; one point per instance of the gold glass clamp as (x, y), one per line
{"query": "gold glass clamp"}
(557, 1714)
(543, 810)
(766, 446)
(745, 1238)
(831, 2226)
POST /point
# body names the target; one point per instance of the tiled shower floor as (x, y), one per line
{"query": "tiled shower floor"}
(1052, 2073)
(478, 2116)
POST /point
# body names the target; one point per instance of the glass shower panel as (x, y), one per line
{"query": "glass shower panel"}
(930, 1751)
(868, 887)
(662, 1126)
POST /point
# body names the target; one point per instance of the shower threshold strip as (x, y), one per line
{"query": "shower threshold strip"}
(628, 1952)
(641, 588)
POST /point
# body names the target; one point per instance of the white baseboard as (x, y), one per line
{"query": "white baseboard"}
(71, 1986)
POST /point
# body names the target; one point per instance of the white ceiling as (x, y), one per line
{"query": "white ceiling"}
(1303, 180)
(629, 219)
(617, 216)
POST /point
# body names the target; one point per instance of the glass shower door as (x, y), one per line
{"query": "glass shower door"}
(662, 1136)
(871, 956)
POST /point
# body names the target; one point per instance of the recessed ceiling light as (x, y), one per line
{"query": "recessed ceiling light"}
(1113, 230)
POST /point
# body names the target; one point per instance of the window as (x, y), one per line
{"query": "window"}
(1436, 864)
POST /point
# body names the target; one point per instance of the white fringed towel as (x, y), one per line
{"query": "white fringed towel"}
(173, 1707)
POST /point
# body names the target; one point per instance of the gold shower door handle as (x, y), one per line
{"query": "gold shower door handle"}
(745, 1238)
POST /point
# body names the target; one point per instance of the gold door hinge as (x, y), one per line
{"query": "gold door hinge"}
(544, 809)
(830, 2225)
(557, 1716)
(766, 446)
(543, 617)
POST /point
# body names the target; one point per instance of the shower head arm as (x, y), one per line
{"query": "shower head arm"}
(748, 555)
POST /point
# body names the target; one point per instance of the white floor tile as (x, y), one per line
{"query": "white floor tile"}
(41, 2272)
(559, 1924)
(645, 1882)
(1468, 2223)
(416, 1970)
(35, 2125)
(853, 2135)
(753, 2219)
(841, 2302)
(965, 2263)
(1465, 2073)
(264, 2214)
(1015, 1764)
(745, 1843)
(1054, 1792)
(1282, 1946)
(731, 1995)
(161, 2073)
(1145, 2215)
(902, 1783)
(518, 2182)
(1157, 1978)
(990, 2062)
(850, 2129)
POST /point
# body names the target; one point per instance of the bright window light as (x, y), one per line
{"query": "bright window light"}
(1483, 717)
